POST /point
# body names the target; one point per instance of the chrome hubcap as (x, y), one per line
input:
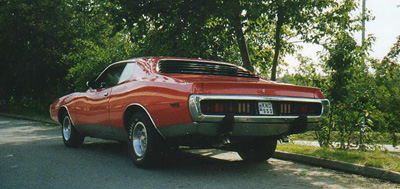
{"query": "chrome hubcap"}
(139, 139)
(67, 128)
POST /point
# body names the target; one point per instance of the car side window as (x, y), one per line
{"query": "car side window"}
(111, 76)
(127, 73)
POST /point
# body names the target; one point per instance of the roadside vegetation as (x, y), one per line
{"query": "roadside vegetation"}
(370, 138)
(39, 114)
(378, 159)
(50, 48)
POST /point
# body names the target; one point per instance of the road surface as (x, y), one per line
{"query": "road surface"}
(32, 155)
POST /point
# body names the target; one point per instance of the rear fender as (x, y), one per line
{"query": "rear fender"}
(134, 108)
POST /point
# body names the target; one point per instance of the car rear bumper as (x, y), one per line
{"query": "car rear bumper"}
(198, 116)
(211, 125)
(239, 129)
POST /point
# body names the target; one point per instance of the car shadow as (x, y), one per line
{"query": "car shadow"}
(186, 159)
(208, 160)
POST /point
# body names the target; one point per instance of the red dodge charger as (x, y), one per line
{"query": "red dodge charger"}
(159, 103)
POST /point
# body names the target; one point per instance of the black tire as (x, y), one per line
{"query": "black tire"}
(145, 144)
(258, 150)
(71, 137)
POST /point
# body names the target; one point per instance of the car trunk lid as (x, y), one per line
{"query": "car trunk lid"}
(257, 88)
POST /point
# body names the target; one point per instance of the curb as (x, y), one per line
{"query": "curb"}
(29, 118)
(340, 166)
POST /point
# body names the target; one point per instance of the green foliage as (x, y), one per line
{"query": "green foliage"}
(197, 29)
(349, 87)
(387, 92)
(307, 74)
(206, 29)
(358, 96)
(93, 57)
(33, 36)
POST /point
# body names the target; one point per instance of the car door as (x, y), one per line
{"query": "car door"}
(94, 104)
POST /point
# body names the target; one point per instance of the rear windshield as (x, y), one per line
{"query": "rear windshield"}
(202, 68)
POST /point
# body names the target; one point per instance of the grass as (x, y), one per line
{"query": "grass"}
(378, 159)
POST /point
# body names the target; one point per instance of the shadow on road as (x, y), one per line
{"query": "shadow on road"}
(199, 160)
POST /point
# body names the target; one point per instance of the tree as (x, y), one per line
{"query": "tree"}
(93, 57)
(387, 93)
(310, 21)
(349, 88)
(203, 29)
(32, 39)
(183, 27)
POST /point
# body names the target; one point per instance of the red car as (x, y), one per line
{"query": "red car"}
(158, 103)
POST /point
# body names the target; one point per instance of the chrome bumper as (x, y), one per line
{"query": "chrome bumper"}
(208, 125)
(198, 116)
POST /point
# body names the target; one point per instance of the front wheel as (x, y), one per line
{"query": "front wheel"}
(71, 137)
(144, 144)
(257, 150)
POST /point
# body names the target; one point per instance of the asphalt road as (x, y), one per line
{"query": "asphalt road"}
(32, 155)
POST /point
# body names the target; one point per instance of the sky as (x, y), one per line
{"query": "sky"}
(385, 27)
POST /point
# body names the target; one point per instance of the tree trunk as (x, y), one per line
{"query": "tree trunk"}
(244, 53)
(279, 24)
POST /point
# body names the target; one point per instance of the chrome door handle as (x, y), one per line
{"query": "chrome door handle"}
(105, 94)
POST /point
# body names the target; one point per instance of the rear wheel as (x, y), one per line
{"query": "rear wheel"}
(145, 143)
(71, 137)
(257, 150)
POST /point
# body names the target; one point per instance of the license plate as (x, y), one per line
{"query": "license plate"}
(265, 108)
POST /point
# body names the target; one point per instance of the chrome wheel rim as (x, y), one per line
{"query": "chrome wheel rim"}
(67, 125)
(139, 139)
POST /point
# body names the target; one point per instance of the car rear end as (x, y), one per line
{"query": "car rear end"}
(253, 106)
(257, 115)
(232, 108)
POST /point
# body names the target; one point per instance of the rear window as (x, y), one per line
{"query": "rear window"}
(202, 68)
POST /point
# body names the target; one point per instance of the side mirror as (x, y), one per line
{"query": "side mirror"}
(90, 84)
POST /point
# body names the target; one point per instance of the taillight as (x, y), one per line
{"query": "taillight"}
(227, 107)
(298, 108)
(243, 107)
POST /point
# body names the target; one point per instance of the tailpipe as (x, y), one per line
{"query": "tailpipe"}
(225, 128)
